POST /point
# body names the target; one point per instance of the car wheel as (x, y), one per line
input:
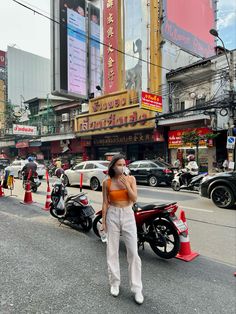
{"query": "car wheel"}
(153, 181)
(20, 175)
(94, 184)
(223, 197)
(66, 180)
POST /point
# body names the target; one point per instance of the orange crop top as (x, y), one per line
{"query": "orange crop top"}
(117, 195)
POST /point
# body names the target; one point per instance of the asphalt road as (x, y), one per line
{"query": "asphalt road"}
(50, 268)
(212, 229)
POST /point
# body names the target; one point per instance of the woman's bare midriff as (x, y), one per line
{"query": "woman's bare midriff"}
(121, 204)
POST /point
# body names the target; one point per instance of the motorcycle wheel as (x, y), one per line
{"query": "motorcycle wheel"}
(169, 236)
(97, 224)
(86, 224)
(54, 213)
(175, 186)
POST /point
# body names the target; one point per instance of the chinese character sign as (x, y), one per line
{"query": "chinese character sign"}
(111, 35)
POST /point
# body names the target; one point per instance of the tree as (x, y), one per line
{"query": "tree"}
(193, 138)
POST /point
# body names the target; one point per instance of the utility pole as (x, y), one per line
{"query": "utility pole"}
(231, 152)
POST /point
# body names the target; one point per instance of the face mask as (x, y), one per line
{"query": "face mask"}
(119, 170)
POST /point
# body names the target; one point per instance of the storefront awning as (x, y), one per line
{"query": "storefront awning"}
(174, 121)
(58, 137)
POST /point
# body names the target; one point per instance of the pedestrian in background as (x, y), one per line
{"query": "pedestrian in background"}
(119, 194)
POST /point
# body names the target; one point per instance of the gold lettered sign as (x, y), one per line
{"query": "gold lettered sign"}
(126, 119)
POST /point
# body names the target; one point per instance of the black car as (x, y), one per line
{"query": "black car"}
(152, 172)
(221, 188)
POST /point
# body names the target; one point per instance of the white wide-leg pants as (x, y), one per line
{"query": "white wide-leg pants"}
(123, 220)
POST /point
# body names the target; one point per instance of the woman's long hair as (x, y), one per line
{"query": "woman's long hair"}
(111, 171)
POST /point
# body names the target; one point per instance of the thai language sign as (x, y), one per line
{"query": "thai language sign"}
(175, 137)
(24, 130)
(151, 102)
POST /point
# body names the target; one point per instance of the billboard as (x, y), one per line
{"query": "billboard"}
(187, 24)
(69, 48)
(94, 49)
(136, 44)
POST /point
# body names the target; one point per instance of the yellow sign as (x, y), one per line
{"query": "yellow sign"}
(125, 119)
(113, 102)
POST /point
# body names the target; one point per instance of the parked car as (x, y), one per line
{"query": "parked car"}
(221, 188)
(94, 172)
(153, 172)
(16, 168)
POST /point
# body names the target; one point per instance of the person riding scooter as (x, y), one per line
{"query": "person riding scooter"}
(190, 170)
(30, 165)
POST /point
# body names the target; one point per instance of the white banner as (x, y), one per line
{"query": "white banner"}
(24, 129)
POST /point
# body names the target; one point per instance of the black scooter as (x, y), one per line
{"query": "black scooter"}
(73, 208)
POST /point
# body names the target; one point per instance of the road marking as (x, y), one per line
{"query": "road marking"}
(198, 209)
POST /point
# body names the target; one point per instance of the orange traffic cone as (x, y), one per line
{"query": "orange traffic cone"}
(28, 194)
(48, 199)
(1, 191)
(185, 252)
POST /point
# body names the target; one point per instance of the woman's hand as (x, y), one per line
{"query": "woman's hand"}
(125, 180)
(103, 227)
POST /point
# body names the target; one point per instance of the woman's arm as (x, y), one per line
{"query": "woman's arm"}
(105, 204)
(130, 183)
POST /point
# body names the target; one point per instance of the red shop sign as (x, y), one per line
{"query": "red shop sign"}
(175, 137)
(110, 29)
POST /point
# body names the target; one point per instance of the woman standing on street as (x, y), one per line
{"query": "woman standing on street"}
(119, 194)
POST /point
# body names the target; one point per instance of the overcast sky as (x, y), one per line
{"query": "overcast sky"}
(31, 32)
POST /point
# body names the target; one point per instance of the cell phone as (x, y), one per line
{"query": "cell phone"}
(126, 171)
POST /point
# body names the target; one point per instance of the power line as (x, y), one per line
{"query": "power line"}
(122, 52)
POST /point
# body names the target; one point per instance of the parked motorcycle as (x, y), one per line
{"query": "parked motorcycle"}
(194, 183)
(34, 182)
(73, 208)
(157, 224)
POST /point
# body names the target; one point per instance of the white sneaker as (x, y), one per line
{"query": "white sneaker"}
(138, 297)
(114, 291)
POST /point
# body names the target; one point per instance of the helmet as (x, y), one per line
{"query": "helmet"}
(30, 158)
(191, 157)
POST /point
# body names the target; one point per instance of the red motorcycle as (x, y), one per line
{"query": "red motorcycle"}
(157, 224)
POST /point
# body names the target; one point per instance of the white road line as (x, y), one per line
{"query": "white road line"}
(148, 200)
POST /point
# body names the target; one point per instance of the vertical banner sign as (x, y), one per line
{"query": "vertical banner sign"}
(2, 58)
(94, 48)
(111, 40)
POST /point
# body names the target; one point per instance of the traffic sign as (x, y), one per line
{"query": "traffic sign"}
(231, 142)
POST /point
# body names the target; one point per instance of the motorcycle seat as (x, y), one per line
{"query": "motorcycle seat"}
(74, 196)
(145, 207)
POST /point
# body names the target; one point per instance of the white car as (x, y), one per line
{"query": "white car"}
(94, 172)
(16, 168)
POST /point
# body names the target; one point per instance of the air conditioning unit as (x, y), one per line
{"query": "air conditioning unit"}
(65, 117)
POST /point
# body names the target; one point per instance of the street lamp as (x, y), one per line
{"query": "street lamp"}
(214, 33)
